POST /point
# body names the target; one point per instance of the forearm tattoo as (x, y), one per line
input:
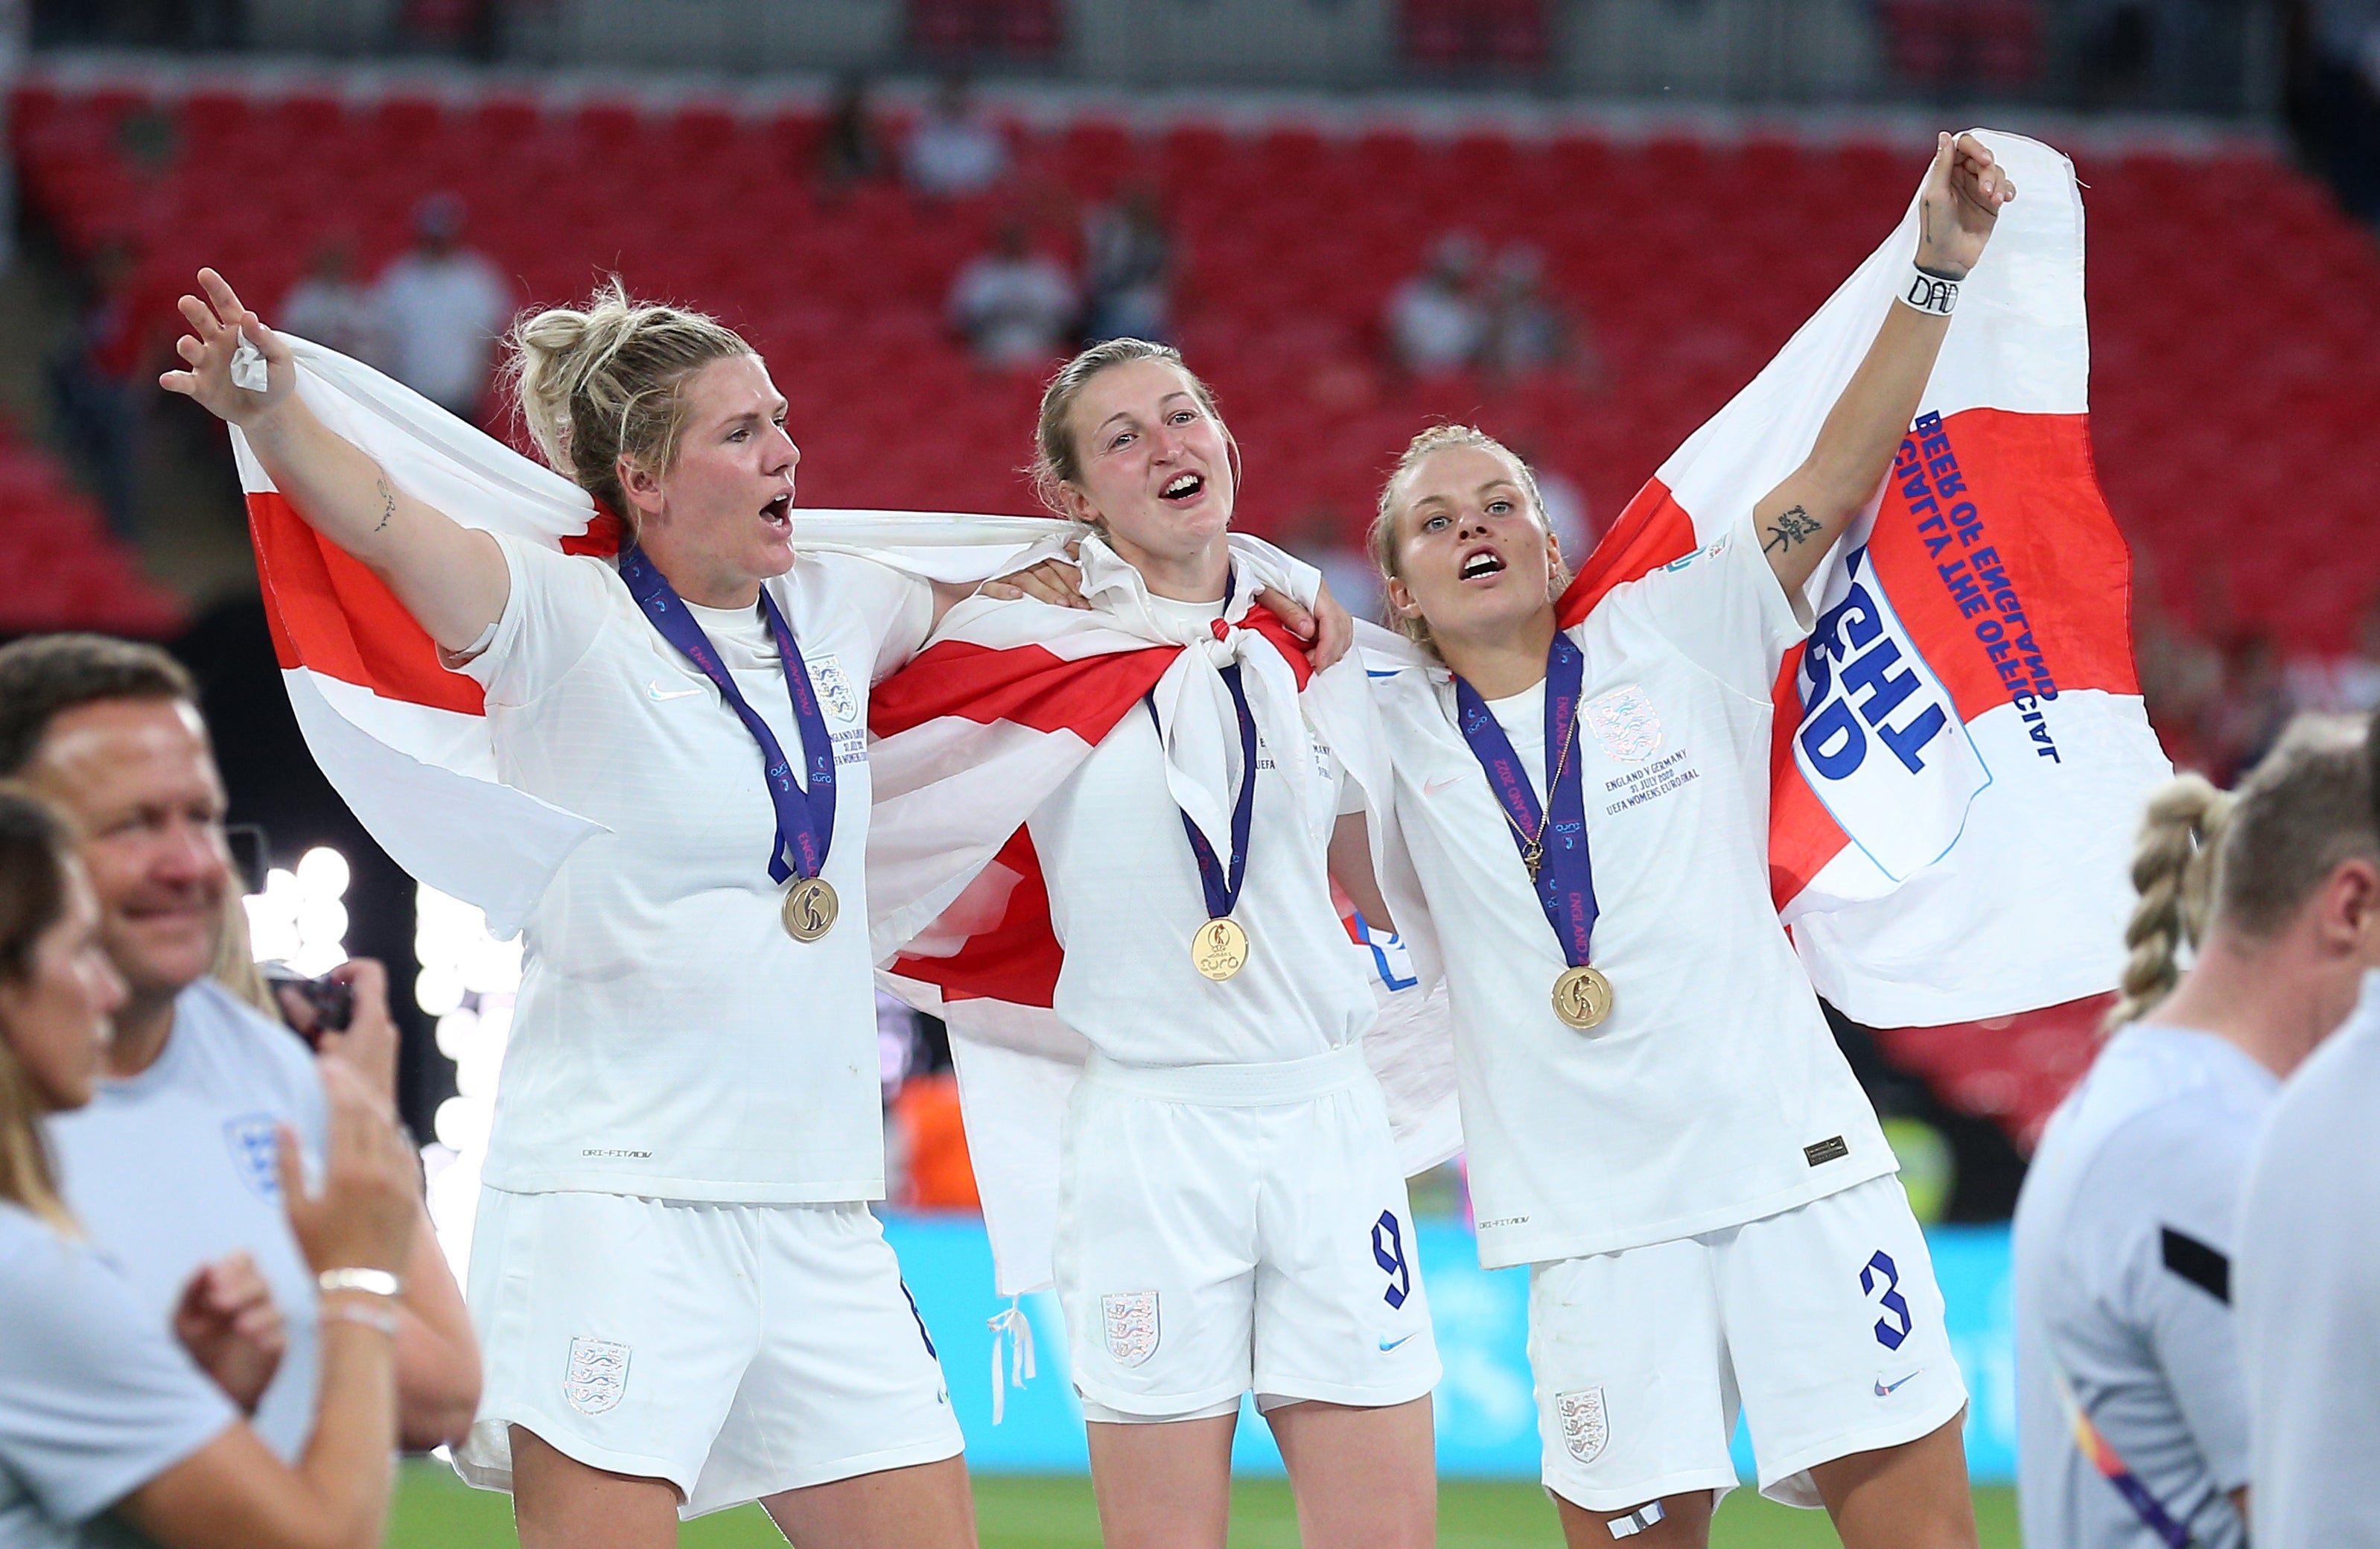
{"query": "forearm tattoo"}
(387, 502)
(1794, 527)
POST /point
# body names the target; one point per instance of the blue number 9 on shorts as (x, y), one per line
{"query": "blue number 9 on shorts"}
(1388, 1252)
(1881, 1268)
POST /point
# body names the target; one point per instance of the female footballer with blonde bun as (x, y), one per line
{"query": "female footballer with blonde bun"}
(1658, 1120)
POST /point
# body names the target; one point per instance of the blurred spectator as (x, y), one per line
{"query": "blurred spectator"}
(941, 1174)
(850, 151)
(1527, 330)
(1566, 514)
(1127, 264)
(1323, 537)
(2240, 726)
(170, 1165)
(330, 309)
(1435, 320)
(441, 306)
(953, 151)
(1015, 307)
(2349, 684)
(99, 379)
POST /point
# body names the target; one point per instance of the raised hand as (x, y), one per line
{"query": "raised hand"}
(1959, 204)
(368, 1045)
(226, 1320)
(216, 324)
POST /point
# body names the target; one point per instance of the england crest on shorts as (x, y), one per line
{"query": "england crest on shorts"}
(1130, 1318)
(1584, 1425)
(598, 1376)
(255, 1153)
(834, 687)
(1624, 722)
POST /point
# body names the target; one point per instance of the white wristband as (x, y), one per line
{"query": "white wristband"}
(371, 1282)
(1930, 294)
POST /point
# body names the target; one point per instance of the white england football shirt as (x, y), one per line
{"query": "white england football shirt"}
(671, 1040)
(2123, 1241)
(1714, 1093)
(2306, 1282)
(1126, 898)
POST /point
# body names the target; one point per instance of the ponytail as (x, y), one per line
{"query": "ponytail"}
(2170, 867)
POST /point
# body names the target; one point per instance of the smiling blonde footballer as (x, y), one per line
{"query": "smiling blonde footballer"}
(1658, 1120)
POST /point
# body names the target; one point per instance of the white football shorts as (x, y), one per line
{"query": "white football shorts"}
(1822, 1321)
(735, 1350)
(1225, 1229)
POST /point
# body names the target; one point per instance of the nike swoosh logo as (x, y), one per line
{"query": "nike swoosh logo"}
(658, 693)
(1884, 1392)
(1432, 788)
(1393, 1344)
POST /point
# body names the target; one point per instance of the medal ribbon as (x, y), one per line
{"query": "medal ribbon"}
(1565, 876)
(805, 819)
(1223, 887)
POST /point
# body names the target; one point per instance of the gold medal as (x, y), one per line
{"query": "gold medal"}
(1583, 998)
(1219, 949)
(810, 908)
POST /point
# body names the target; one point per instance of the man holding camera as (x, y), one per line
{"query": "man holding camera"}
(172, 1166)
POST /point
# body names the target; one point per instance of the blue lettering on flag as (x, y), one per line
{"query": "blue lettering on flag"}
(1880, 740)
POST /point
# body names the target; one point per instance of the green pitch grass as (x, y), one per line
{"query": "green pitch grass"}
(435, 1511)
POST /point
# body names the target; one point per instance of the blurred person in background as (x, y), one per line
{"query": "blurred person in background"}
(330, 308)
(1127, 270)
(2133, 1418)
(111, 1433)
(1014, 307)
(98, 380)
(171, 1164)
(1435, 322)
(2307, 1283)
(953, 149)
(2349, 683)
(441, 306)
(1322, 536)
(2338, 98)
(2241, 723)
(850, 149)
(1527, 331)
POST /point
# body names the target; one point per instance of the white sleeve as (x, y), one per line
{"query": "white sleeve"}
(1725, 610)
(896, 608)
(95, 1399)
(555, 606)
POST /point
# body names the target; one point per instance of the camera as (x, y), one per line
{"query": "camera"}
(333, 1002)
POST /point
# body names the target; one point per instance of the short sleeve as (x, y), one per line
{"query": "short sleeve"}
(895, 608)
(95, 1399)
(555, 606)
(2180, 1192)
(1724, 609)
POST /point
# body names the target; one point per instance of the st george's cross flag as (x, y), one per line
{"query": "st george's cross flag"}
(1960, 751)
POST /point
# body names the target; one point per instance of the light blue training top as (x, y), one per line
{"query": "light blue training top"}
(2123, 1240)
(176, 1167)
(95, 1397)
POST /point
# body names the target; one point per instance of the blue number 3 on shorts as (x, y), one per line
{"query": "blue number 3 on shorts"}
(1880, 1269)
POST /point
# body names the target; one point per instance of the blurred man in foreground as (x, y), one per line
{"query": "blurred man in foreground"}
(173, 1166)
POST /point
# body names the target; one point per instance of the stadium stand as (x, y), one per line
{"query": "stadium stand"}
(66, 572)
(1693, 259)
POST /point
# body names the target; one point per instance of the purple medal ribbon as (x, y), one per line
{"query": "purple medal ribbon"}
(1222, 886)
(1565, 873)
(805, 819)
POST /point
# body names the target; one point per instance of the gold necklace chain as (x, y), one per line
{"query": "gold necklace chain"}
(1533, 846)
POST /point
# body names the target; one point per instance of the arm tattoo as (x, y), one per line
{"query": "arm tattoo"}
(1794, 527)
(387, 502)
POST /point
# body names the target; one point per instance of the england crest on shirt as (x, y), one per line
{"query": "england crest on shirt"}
(1625, 722)
(598, 1376)
(1586, 1427)
(834, 687)
(1130, 1319)
(255, 1153)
